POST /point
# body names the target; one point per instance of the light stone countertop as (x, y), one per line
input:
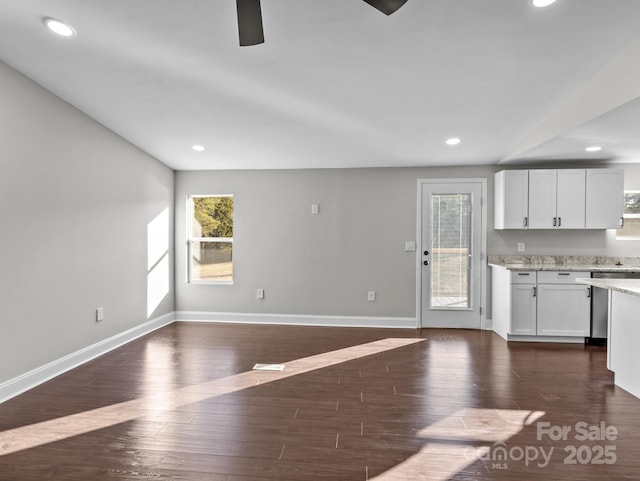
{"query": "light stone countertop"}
(566, 263)
(626, 286)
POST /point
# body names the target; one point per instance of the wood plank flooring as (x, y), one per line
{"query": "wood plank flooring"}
(352, 404)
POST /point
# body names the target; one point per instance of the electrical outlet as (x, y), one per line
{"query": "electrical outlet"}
(520, 246)
(260, 294)
(371, 296)
(99, 314)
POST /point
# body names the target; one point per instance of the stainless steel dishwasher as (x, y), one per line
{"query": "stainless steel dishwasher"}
(600, 305)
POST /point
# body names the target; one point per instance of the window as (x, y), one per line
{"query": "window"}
(631, 215)
(450, 250)
(211, 239)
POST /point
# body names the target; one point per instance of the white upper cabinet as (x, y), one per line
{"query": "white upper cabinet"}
(542, 199)
(558, 199)
(570, 199)
(511, 199)
(605, 198)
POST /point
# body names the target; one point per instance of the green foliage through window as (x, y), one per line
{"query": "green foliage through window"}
(211, 242)
(632, 202)
(631, 229)
(213, 216)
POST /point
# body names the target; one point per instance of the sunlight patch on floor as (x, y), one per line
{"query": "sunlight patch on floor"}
(452, 446)
(45, 432)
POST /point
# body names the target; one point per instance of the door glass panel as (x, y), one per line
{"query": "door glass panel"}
(450, 251)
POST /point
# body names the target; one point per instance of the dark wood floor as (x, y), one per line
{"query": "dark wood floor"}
(351, 404)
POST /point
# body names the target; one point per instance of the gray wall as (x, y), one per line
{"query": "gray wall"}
(75, 204)
(325, 264)
(312, 264)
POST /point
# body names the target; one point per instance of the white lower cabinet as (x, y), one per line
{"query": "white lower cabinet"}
(523, 308)
(541, 304)
(563, 310)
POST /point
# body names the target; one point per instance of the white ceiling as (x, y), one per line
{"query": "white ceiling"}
(338, 84)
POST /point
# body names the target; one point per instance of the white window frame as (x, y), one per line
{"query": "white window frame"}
(628, 216)
(191, 240)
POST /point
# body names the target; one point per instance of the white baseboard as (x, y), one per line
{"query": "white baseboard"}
(14, 387)
(557, 339)
(18, 385)
(297, 320)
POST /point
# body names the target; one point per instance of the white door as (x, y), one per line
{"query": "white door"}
(451, 259)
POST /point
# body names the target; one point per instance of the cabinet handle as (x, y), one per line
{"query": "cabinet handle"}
(621, 221)
(523, 273)
(535, 291)
(564, 273)
(588, 292)
(559, 221)
(525, 222)
(554, 221)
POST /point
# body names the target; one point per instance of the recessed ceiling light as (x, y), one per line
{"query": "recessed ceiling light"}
(60, 28)
(542, 3)
(594, 148)
(453, 141)
(198, 148)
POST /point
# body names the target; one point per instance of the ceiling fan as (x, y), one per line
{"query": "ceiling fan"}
(250, 18)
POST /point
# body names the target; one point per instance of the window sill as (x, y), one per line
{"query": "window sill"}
(211, 283)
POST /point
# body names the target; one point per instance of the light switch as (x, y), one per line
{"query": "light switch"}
(410, 246)
(520, 246)
(315, 208)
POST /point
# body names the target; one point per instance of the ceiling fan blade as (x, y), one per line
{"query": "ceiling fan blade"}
(386, 6)
(250, 22)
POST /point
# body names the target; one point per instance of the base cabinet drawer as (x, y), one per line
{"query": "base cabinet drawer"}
(523, 277)
(561, 277)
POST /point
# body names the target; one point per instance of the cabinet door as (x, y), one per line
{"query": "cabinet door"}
(570, 207)
(523, 310)
(563, 310)
(511, 199)
(605, 198)
(542, 199)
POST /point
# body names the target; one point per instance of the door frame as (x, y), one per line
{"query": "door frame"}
(483, 244)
